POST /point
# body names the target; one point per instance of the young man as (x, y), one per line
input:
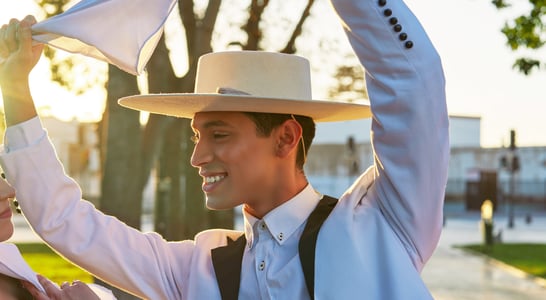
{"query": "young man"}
(297, 243)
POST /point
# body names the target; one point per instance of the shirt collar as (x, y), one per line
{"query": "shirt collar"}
(283, 221)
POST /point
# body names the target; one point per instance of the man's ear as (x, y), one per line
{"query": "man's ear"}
(288, 138)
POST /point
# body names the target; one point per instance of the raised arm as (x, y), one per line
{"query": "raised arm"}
(410, 139)
(143, 264)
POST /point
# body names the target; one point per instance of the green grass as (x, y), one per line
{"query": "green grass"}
(51, 265)
(530, 258)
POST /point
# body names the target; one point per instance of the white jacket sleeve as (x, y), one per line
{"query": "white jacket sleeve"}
(406, 87)
(141, 263)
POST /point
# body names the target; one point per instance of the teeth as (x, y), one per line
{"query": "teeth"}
(213, 179)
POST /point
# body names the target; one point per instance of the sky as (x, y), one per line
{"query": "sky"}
(478, 67)
(479, 74)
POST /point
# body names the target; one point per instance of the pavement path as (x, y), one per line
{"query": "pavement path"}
(456, 274)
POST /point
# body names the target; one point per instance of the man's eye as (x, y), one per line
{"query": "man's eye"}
(220, 135)
(194, 139)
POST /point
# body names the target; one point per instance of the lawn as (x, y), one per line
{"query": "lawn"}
(530, 258)
(48, 263)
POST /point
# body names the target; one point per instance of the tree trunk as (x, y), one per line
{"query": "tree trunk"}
(120, 195)
(180, 208)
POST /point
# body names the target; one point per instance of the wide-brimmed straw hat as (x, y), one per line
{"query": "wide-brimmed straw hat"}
(249, 81)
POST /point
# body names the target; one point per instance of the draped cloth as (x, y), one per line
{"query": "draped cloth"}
(123, 33)
(13, 265)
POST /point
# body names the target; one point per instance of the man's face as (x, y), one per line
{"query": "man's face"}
(236, 164)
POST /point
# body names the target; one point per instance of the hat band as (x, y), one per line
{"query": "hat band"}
(230, 91)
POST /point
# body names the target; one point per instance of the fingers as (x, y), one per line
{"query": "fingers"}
(18, 54)
(36, 294)
(29, 19)
(79, 291)
(52, 290)
(25, 34)
(10, 39)
(4, 51)
(76, 290)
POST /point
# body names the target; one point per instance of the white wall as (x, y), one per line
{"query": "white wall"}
(464, 131)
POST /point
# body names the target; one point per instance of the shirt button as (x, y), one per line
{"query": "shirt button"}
(262, 265)
(262, 226)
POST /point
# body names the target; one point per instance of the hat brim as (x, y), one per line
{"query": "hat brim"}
(186, 105)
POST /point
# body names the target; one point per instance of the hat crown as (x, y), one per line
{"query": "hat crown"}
(249, 81)
(257, 73)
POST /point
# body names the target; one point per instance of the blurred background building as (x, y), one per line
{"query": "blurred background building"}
(475, 173)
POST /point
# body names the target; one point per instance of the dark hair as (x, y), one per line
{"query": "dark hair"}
(14, 287)
(266, 122)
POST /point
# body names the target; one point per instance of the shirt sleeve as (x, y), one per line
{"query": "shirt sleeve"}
(24, 134)
(410, 137)
(142, 263)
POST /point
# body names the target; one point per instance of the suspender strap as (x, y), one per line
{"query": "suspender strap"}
(227, 260)
(308, 240)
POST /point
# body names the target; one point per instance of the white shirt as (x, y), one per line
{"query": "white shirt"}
(272, 250)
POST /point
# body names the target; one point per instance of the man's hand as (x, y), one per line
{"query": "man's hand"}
(77, 290)
(19, 56)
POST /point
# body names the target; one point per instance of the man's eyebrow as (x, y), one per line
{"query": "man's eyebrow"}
(213, 123)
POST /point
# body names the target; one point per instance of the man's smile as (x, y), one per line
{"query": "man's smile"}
(213, 179)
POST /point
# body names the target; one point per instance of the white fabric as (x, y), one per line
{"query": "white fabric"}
(14, 265)
(273, 241)
(121, 32)
(375, 242)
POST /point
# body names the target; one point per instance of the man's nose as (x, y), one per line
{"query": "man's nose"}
(201, 154)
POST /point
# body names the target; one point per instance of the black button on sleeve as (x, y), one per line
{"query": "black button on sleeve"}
(387, 12)
(403, 36)
(382, 2)
(397, 28)
(408, 44)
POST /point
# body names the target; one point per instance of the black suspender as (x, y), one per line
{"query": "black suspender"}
(308, 240)
(227, 260)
